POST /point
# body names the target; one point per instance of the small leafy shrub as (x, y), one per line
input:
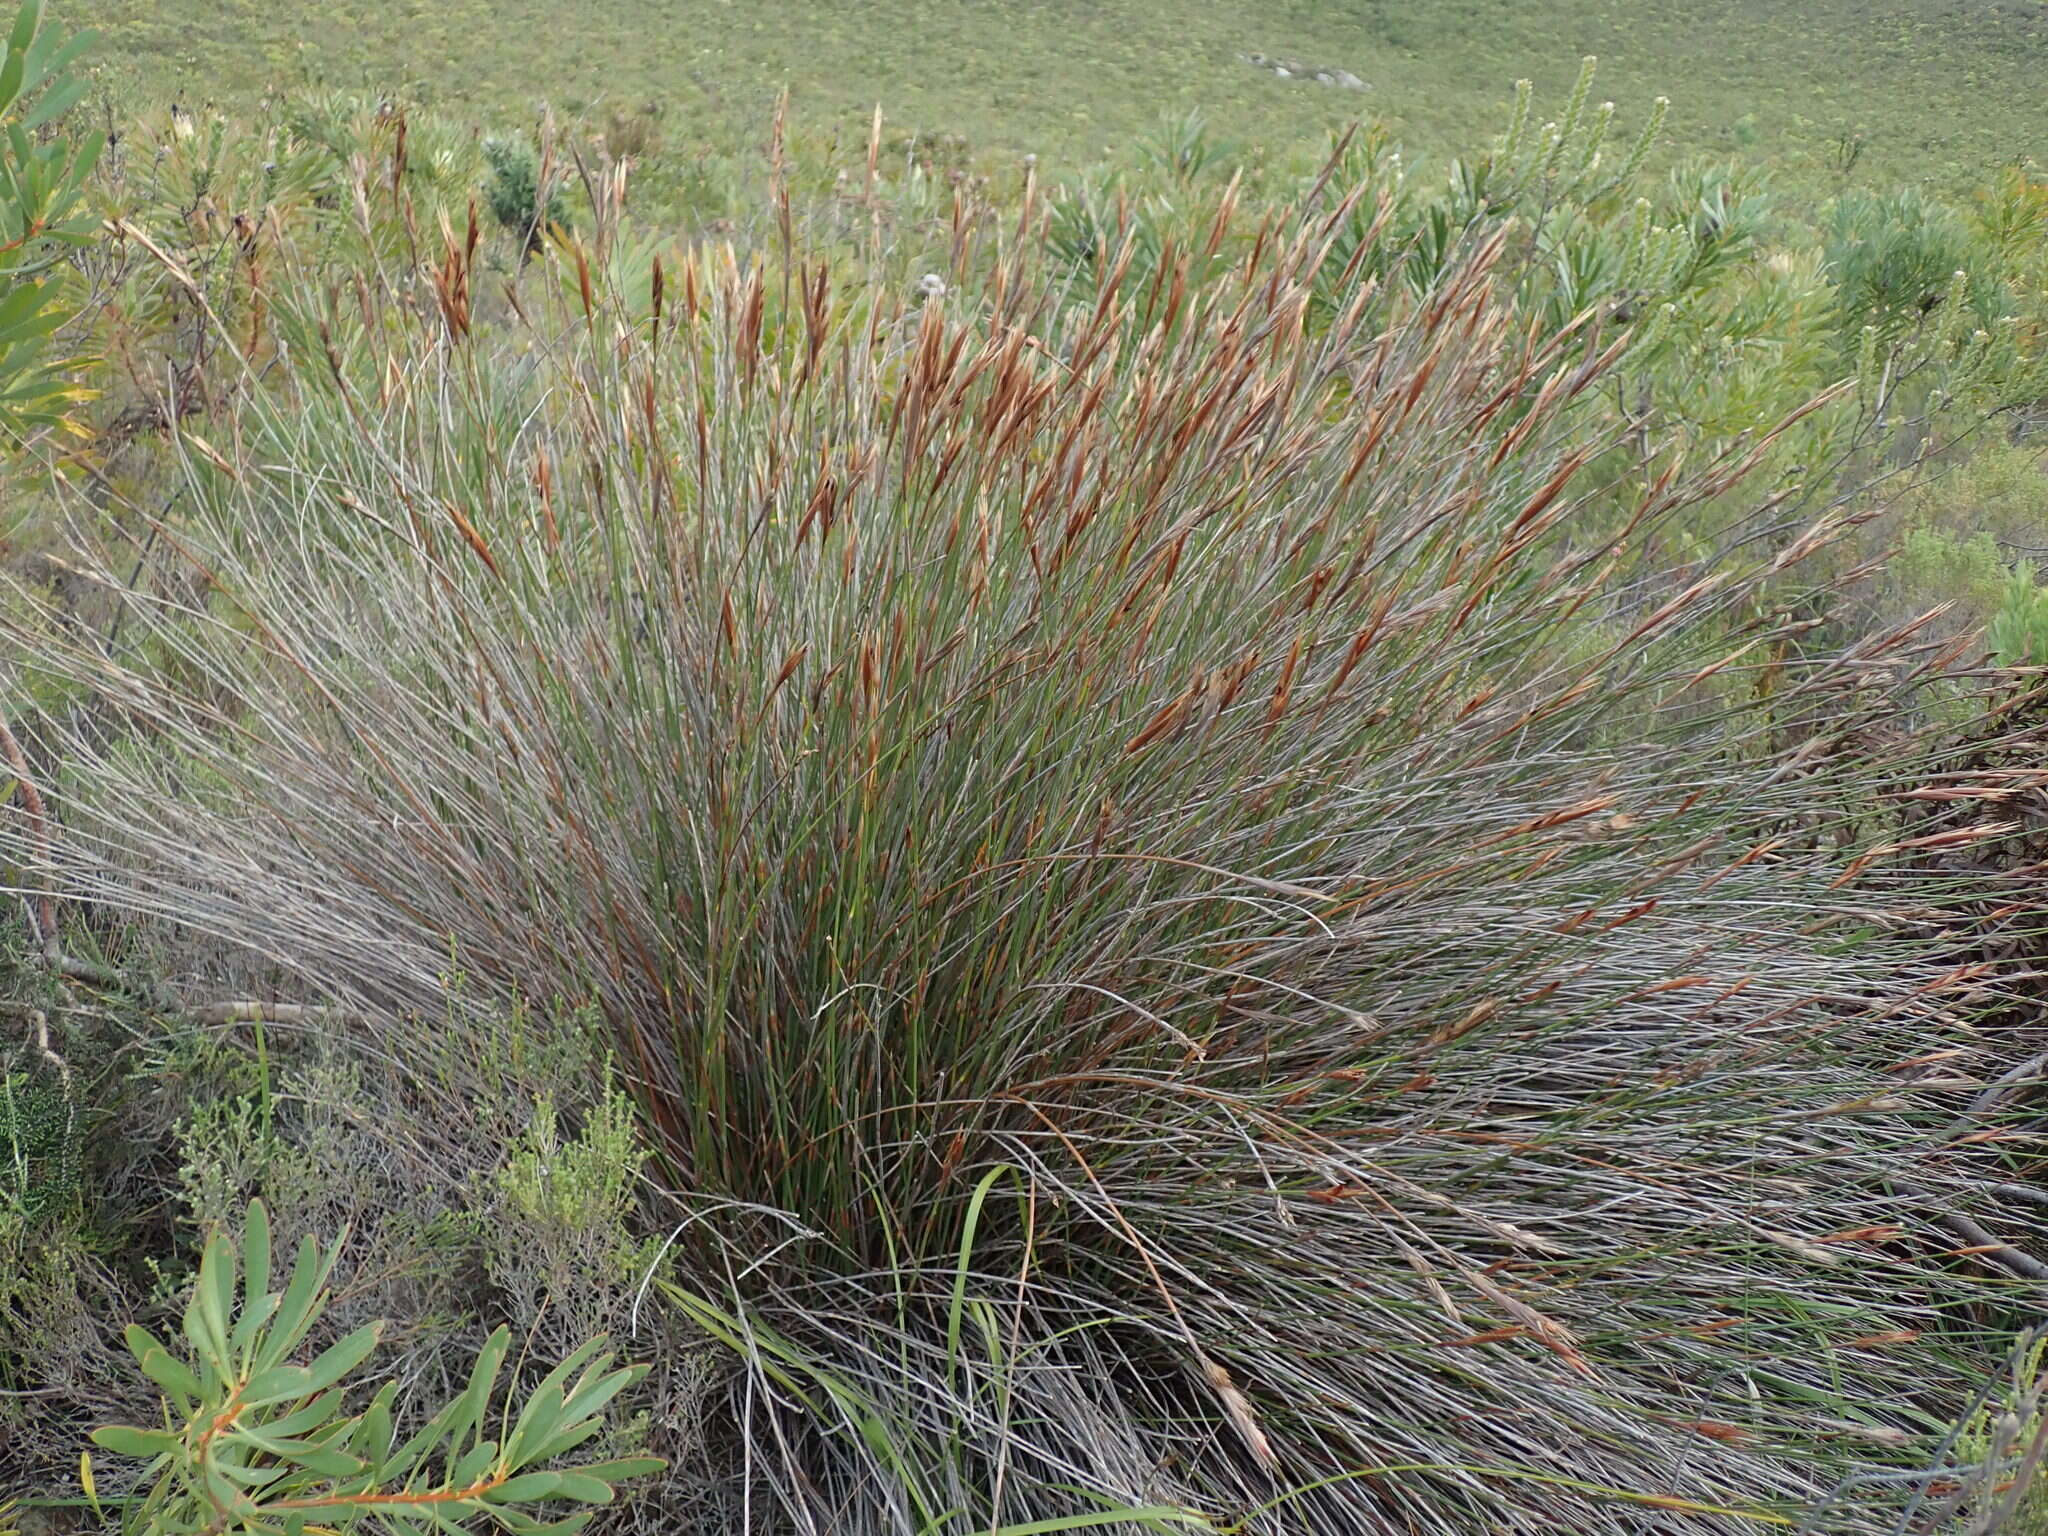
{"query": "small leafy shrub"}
(1718, 343)
(61, 1268)
(1899, 257)
(558, 1215)
(1568, 159)
(929, 154)
(1182, 147)
(458, 1223)
(633, 135)
(258, 1441)
(2018, 634)
(1724, 212)
(1095, 221)
(308, 1150)
(1999, 1455)
(1934, 566)
(518, 1206)
(59, 1301)
(1952, 541)
(513, 192)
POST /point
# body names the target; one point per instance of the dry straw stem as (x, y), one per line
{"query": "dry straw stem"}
(41, 905)
(1198, 759)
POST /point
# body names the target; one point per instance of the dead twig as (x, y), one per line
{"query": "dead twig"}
(39, 1035)
(42, 907)
(252, 1012)
(2009, 1086)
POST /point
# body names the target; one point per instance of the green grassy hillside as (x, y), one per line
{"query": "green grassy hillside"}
(1938, 89)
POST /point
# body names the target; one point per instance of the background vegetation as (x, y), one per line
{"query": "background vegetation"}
(1920, 90)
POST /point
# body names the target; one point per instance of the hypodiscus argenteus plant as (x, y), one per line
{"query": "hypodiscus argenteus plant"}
(1196, 919)
(256, 1442)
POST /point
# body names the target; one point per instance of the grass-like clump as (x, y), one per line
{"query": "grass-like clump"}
(1195, 940)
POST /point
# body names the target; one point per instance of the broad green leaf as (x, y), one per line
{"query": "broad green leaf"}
(558, 1378)
(541, 1418)
(278, 1384)
(144, 1345)
(172, 1374)
(27, 22)
(423, 1441)
(343, 1356)
(300, 1306)
(255, 1255)
(213, 1299)
(124, 1440)
(247, 1475)
(16, 63)
(217, 1485)
(626, 1467)
(565, 1439)
(588, 1400)
(34, 327)
(68, 51)
(25, 299)
(372, 1437)
(325, 1460)
(254, 1315)
(55, 102)
(469, 1409)
(528, 1485)
(470, 1467)
(264, 1441)
(303, 1420)
(86, 224)
(585, 1490)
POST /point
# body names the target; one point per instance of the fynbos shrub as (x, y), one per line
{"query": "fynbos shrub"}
(513, 188)
(258, 1440)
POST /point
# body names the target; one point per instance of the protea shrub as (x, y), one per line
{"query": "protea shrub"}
(1191, 949)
